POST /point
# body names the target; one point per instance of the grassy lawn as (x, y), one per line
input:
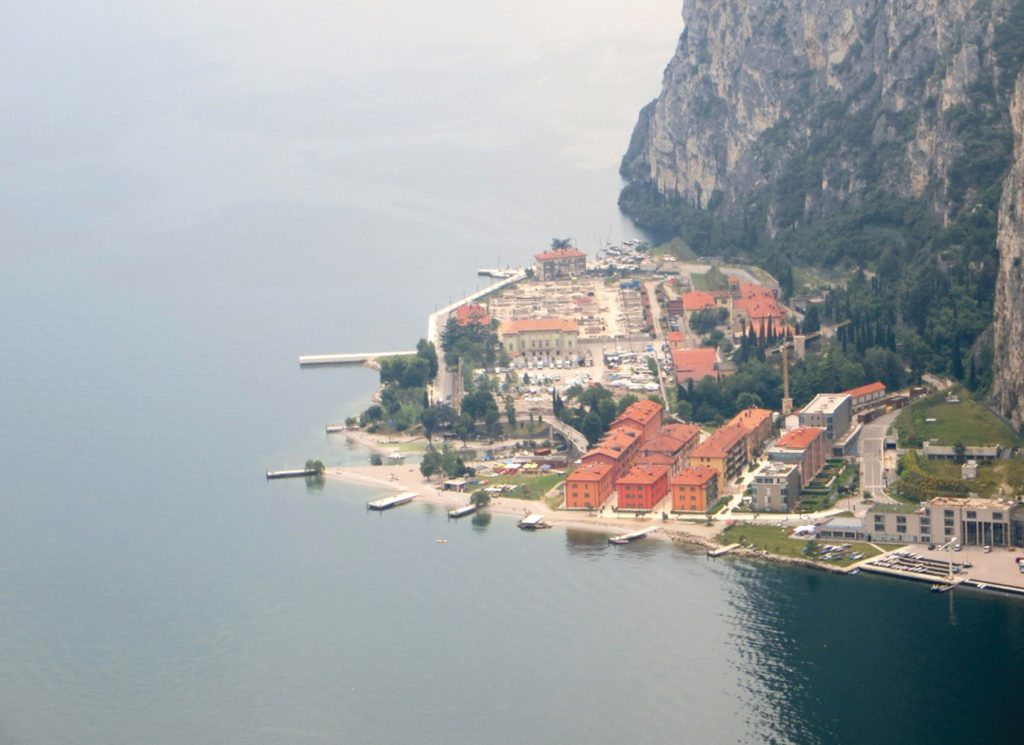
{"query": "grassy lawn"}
(777, 541)
(676, 248)
(967, 422)
(699, 281)
(992, 477)
(531, 486)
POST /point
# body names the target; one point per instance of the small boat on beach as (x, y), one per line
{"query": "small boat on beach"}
(533, 521)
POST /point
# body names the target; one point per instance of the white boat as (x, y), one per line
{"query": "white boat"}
(533, 521)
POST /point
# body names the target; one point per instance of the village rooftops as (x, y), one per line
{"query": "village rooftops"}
(800, 438)
(663, 444)
(694, 301)
(695, 364)
(472, 313)
(559, 253)
(526, 325)
(616, 441)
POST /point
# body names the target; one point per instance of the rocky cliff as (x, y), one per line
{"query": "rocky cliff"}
(802, 107)
(1008, 375)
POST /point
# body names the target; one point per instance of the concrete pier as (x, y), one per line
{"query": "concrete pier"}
(356, 358)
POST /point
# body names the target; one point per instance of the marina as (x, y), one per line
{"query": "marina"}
(625, 538)
(386, 503)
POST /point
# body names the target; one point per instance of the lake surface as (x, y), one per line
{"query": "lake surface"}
(194, 195)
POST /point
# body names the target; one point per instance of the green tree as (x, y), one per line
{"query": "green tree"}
(315, 465)
(592, 428)
(810, 549)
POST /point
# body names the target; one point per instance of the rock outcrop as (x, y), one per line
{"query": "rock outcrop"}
(807, 105)
(1008, 374)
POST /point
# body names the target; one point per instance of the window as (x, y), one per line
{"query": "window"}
(972, 515)
(997, 516)
(947, 513)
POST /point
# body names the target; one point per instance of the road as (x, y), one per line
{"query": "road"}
(875, 472)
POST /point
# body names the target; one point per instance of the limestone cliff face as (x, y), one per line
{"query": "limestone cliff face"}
(803, 105)
(1008, 375)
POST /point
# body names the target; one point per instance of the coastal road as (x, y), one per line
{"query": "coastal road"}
(874, 476)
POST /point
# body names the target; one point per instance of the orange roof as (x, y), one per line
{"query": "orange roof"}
(656, 459)
(663, 444)
(619, 439)
(695, 363)
(472, 313)
(698, 301)
(641, 412)
(720, 443)
(751, 419)
(864, 390)
(694, 476)
(682, 432)
(643, 475)
(675, 336)
(538, 324)
(559, 253)
(593, 471)
(800, 438)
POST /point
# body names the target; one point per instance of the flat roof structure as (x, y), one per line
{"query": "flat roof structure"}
(800, 438)
(524, 325)
(826, 403)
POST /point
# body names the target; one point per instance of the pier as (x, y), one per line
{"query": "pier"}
(716, 552)
(457, 512)
(355, 358)
(292, 473)
(533, 521)
(630, 537)
(388, 502)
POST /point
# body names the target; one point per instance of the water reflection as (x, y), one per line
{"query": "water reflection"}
(585, 542)
(481, 520)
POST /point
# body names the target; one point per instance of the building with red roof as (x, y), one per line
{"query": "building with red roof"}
(619, 449)
(758, 424)
(557, 263)
(698, 300)
(725, 451)
(643, 416)
(695, 364)
(472, 313)
(589, 485)
(866, 396)
(694, 489)
(804, 447)
(642, 487)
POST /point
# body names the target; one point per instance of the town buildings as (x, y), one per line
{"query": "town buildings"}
(694, 489)
(560, 262)
(642, 488)
(535, 338)
(589, 485)
(643, 416)
(758, 425)
(618, 448)
(866, 396)
(832, 412)
(695, 364)
(468, 313)
(776, 487)
(725, 451)
(803, 447)
(972, 521)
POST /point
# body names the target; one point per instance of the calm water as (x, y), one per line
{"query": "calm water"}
(195, 194)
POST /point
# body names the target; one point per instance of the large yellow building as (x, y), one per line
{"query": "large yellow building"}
(552, 338)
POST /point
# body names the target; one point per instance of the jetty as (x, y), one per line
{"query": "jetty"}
(457, 512)
(630, 537)
(387, 503)
(292, 473)
(716, 552)
(333, 428)
(533, 521)
(355, 358)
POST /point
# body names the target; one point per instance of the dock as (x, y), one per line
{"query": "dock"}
(333, 428)
(457, 512)
(533, 521)
(292, 473)
(388, 502)
(716, 552)
(356, 358)
(630, 537)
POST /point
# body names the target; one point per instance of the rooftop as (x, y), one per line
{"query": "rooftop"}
(643, 474)
(800, 438)
(472, 313)
(538, 324)
(559, 253)
(694, 476)
(695, 363)
(776, 469)
(751, 419)
(865, 390)
(642, 411)
(844, 523)
(693, 301)
(720, 443)
(679, 431)
(825, 403)
(974, 503)
(589, 472)
(663, 444)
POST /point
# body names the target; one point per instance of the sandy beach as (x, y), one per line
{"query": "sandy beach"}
(405, 477)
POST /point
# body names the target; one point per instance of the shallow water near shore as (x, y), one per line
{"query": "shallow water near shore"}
(225, 187)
